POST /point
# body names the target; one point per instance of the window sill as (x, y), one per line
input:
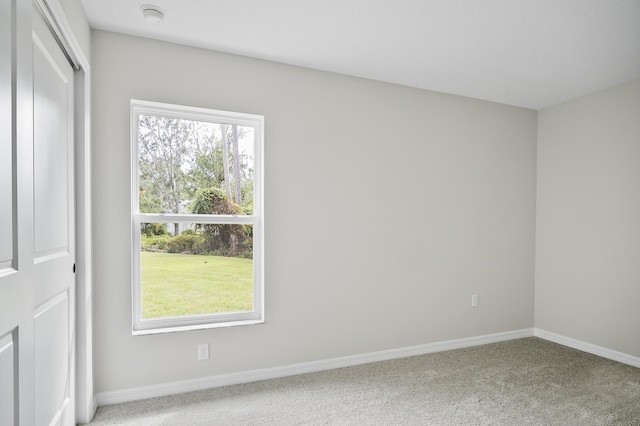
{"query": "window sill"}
(164, 330)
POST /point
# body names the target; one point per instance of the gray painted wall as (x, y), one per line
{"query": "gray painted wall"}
(386, 208)
(588, 219)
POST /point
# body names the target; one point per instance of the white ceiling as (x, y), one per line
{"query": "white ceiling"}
(530, 53)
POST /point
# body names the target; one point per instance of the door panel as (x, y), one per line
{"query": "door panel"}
(51, 89)
(52, 359)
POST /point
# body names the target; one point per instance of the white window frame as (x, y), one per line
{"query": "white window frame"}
(163, 325)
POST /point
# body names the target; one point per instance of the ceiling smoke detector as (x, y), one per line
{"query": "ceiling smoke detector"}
(152, 13)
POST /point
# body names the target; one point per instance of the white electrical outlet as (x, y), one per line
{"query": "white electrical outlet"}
(203, 351)
(474, 300)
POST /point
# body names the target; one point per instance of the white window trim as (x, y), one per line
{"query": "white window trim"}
(165, 325)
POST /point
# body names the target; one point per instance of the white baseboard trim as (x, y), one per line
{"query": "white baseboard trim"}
(588, 347)
(144, 392)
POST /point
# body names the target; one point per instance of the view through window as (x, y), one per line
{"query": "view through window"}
(197, 231)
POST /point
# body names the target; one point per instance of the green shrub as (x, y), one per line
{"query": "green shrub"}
(154, 243)
(221, 239)
(151, 229)
(247, 251)
(189, 243)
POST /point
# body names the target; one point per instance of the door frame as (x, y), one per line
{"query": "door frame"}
(55, 18)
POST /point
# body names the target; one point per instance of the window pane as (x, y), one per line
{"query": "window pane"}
(205, 270)
(178, 159)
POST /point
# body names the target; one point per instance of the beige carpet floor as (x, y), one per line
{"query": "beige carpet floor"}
(520, 382)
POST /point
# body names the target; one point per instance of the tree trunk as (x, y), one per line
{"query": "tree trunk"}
(236, 165)
(225, 161)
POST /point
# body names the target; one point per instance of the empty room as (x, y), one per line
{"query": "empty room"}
(218, 212)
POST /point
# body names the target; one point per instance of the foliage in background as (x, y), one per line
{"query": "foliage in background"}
(186, 243)
(155, 243)
(228, 240)
(150, 229)
(178, 157)
(220, 239)
(195, 167)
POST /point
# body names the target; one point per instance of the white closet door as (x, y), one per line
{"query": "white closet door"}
(17, 404)
(54, 241)
(37, 242)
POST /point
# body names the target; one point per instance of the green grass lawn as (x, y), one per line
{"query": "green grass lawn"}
(183, 284)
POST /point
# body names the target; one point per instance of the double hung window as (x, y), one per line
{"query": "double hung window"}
(197, 226)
